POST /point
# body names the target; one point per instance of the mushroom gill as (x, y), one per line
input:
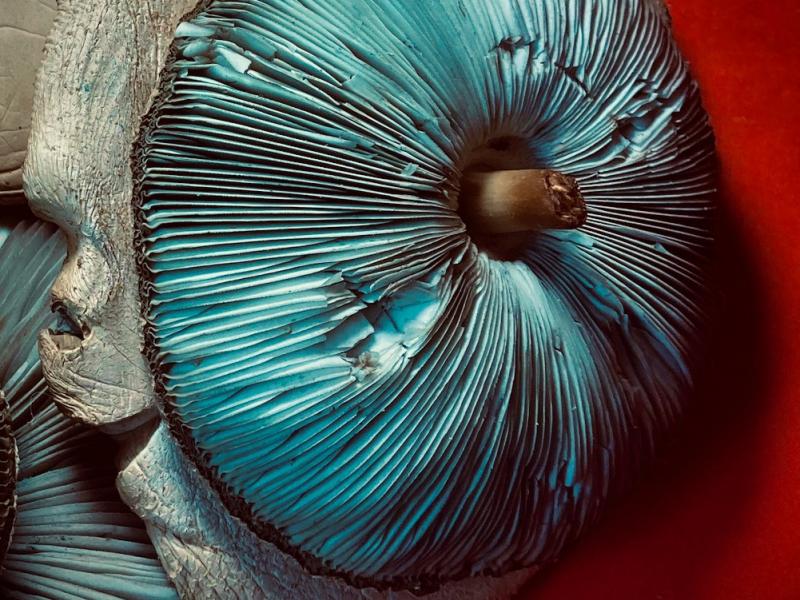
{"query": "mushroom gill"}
(363, 378)
(72, 536)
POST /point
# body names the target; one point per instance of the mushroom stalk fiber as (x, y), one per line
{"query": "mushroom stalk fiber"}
(513, 201)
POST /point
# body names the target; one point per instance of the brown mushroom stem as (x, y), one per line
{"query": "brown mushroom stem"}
(497, 202)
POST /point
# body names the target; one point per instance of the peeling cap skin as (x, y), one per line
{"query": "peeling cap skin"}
(360, 393)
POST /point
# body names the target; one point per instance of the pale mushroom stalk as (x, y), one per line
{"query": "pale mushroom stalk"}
(519, 200)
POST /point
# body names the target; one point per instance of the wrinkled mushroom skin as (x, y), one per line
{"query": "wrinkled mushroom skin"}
(102, 61)
(101, 67)
(23, 29)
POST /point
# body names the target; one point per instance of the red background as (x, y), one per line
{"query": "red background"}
(719, 515)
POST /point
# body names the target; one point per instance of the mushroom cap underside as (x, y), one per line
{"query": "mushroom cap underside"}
(362, 383)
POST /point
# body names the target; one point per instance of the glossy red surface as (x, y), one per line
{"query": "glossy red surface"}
(719, 516)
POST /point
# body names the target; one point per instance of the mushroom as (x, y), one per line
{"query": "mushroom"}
(409, 290)
(65, 532)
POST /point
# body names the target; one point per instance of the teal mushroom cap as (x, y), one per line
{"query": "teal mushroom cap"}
(394, 387)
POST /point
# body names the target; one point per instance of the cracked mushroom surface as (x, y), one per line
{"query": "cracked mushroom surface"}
(347, 355)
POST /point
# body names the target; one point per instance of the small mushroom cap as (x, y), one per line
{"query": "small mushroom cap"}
(362, 383)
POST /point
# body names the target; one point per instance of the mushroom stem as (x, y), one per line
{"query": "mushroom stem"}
(495, 202)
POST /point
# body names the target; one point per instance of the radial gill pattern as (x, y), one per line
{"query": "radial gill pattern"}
(360, 380)
(73, 538)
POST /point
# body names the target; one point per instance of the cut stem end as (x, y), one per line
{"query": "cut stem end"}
(524, 200)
